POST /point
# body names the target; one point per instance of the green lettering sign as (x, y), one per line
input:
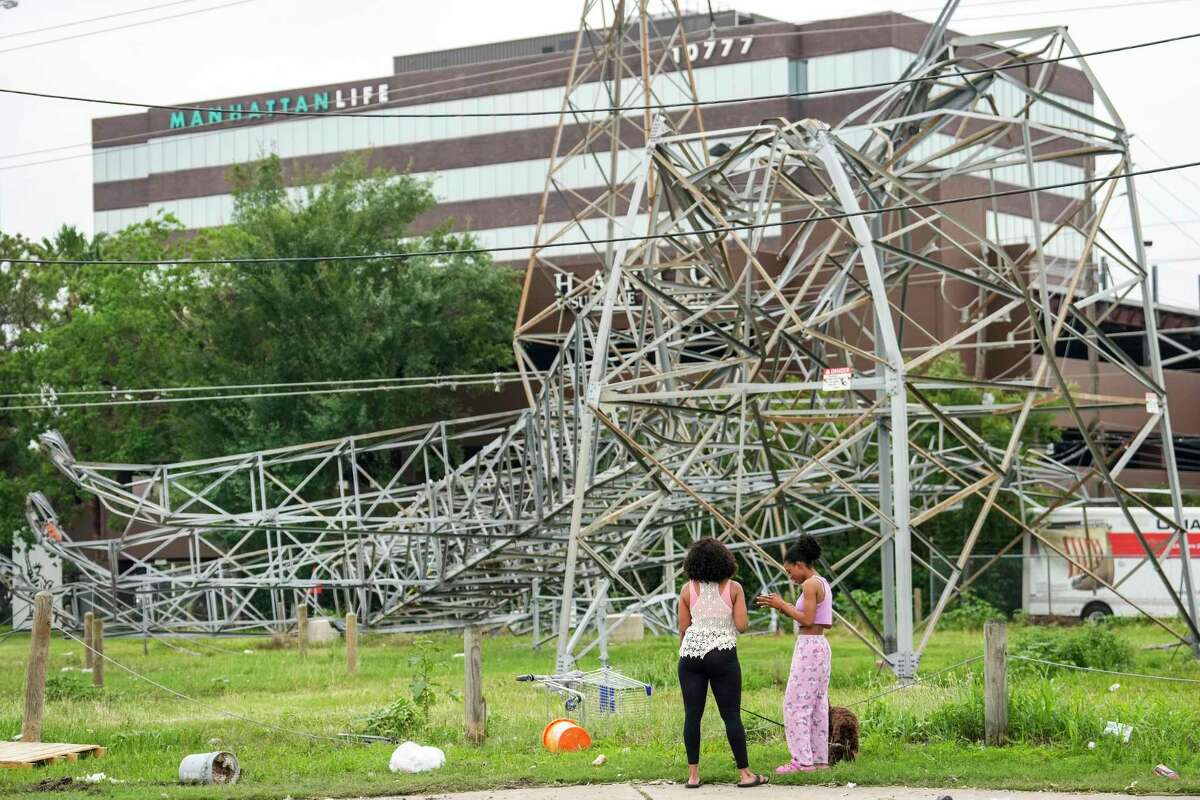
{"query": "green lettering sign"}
(235, 112)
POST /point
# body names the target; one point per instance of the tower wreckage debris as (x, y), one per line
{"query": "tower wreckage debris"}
(748, 364)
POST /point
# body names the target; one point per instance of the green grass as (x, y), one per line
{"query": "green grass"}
(927, 735)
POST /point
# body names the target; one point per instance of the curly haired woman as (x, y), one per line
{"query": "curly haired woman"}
(712, 611)
(806, 699)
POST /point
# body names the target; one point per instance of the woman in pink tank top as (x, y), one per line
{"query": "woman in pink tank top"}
(806, 699)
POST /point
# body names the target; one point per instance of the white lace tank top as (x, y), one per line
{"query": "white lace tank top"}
(712, 622)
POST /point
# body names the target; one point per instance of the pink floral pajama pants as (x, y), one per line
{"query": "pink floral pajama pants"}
(806, 702)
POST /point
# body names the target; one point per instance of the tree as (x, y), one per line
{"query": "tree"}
(307, 319)
(117, 328)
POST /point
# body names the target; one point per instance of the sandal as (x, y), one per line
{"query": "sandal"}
(791, 768)
(759, 780)
(688, 785)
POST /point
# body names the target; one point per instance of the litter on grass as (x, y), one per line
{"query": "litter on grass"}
(599, 760)
(1119, 730)
(1166, 772)
(99, 777)
(1114, 687)
(412, 757)
(210, 768)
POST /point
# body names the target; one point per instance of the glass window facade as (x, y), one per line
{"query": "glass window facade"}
(326, 135)
(322, 135)
(1015, 229)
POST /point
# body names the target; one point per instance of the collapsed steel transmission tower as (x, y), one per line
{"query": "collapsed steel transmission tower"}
(759, 357)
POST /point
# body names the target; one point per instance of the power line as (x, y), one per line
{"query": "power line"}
(208, 706)
(457, 79)
(621, 109)
(244, 386)
(392, 90)
(126, 26)
(1061, 665)
(436, 383)
(142, 10)
(616, 239)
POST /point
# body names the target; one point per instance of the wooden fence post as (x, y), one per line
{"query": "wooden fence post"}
(87, 639)
(98, 652)
(145, 626)
(535, 601)
(302, 629)
(35, 672)
(995, 682)
(475, 708)
(351, 643)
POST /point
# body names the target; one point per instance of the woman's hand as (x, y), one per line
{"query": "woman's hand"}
(770, 601)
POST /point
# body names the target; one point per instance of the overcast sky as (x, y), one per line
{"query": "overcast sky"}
(219, 48)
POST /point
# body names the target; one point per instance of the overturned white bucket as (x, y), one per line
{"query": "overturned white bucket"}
(208, 768)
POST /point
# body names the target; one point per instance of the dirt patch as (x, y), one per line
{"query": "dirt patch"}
(54, 784)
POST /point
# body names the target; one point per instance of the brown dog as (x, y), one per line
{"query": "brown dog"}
(843, 735)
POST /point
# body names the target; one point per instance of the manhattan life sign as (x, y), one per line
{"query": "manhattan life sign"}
(316, 102)
(289, 105)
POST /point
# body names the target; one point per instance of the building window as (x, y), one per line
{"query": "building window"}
(797, 76)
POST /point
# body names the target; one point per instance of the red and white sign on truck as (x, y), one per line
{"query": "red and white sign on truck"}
(1101, 538)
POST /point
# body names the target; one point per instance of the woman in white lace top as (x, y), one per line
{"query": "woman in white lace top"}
(712, 611)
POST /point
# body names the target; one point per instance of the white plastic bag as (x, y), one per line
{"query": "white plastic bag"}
(1119, 730)
(412, 757)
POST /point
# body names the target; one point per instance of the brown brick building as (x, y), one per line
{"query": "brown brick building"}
(488, 171)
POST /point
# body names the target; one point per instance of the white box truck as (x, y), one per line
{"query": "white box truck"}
(1101, 538)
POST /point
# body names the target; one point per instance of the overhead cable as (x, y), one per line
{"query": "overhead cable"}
(623, 109)
(615, 239)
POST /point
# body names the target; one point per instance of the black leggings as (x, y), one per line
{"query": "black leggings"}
(721, 669)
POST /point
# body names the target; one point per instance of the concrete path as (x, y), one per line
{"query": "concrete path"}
(668, 791)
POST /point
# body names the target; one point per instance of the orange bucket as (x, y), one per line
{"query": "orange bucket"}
(565, 736)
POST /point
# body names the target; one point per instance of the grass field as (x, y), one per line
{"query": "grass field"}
(925, 735)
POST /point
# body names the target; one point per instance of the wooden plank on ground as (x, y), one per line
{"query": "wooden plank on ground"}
(26, 755)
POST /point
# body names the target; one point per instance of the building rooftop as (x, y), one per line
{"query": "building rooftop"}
(558, 42)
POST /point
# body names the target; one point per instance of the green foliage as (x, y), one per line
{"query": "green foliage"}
(398, 720)
(424, 695)
(969, 613)
(114, 327)
(1089, 645)
(70, 686)
(995, 429)
(871, 604)
(406, 716)
(924, 735)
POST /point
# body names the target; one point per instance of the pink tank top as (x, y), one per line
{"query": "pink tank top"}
(824, 615)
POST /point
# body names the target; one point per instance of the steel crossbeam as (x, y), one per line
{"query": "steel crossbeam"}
(692, 386)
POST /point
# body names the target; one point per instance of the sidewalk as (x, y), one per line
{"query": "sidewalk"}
(654, 791)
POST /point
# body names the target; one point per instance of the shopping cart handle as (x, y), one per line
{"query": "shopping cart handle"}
(525, 678)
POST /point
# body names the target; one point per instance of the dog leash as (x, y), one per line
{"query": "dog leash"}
(760, 716)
